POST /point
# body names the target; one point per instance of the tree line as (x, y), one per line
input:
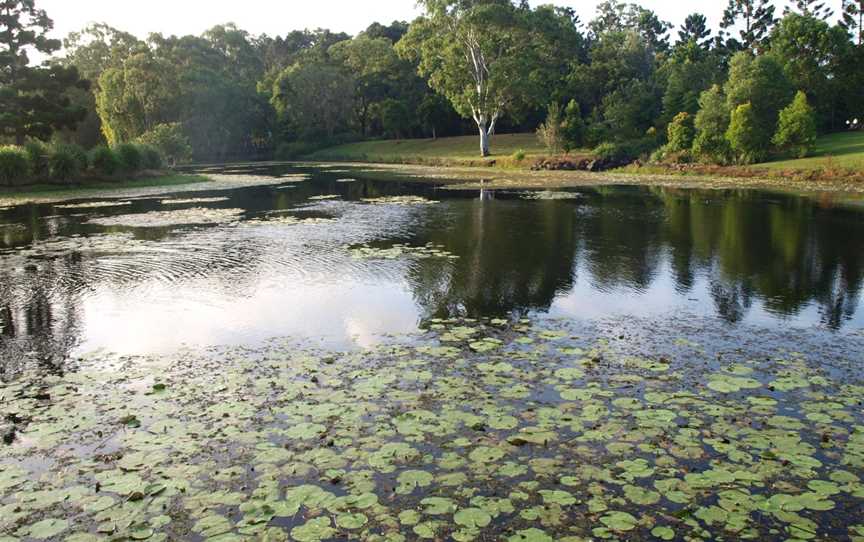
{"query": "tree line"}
(624, 83)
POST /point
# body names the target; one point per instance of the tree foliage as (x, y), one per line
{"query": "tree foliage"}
(170, 141)
(681, 132)
(480, 55)
(796, 131)
(551, 132)
(711, 124)
(745, 135)
(760, 82)
(34, 100)
(753, 19)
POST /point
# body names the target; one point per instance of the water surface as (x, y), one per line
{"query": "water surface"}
(74, 280)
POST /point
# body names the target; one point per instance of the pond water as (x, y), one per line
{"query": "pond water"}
(139, 276)
(323, 355)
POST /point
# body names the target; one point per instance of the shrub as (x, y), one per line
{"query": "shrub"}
(745, 138)
(681, 132)
(80, 155)
(796, 130)
(624, 151)
(608, 151)
(104, 160)
(550, 132)
(171, 142)
(37, 154)
(519, 155)
(129, 156)
(573, 127)
(150, 157)
(65, 162)
(14, 165)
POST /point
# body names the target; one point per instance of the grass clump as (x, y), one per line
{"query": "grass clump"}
(67, 162)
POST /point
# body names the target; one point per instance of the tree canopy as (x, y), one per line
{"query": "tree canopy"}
(621, 78)
(34, 100)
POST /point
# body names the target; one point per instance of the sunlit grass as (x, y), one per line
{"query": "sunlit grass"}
(834, 151)
(457, 149)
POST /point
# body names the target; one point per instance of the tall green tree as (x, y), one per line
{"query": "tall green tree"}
(690, 69)
(92, 50)
(761, 83)
(136, 96)
(745, 135)
(617, 16)
(813, 54)
(376, 70)
(695, 29)
(97, 47)
(314, 100)
(34, 100)
(753, 19)
(796, 130)
(711, 124)
(480, 54)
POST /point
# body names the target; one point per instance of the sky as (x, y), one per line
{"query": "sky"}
(280, 17)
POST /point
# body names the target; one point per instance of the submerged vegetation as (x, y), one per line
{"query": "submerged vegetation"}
(479, 429)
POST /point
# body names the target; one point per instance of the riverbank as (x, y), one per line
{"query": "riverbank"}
(836, 163)
(139, 187)
(476, 178)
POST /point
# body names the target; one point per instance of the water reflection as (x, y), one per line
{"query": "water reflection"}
(67, 286)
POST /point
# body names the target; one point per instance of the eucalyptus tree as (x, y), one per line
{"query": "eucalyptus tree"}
(34, 100)
(480, 54)
(616, 16)
(97, 47)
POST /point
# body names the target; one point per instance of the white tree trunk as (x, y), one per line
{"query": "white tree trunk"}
(484, 140)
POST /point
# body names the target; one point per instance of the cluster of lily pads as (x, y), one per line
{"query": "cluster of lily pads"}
(476, 430)
(191, 201)
(544, 195)
(400, 200)
(157, 219)
(286, 220)
(399, 250)
(94, 205)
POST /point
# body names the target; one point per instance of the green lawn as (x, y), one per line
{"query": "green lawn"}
(843, 150)
(458, 149)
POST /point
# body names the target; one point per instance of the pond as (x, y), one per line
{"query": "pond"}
(329, 356)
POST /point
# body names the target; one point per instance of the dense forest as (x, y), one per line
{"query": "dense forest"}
(625, 83)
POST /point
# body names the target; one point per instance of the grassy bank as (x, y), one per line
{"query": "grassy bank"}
(836, 156)
(463, 151)
(834, 151)
(86, 189)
